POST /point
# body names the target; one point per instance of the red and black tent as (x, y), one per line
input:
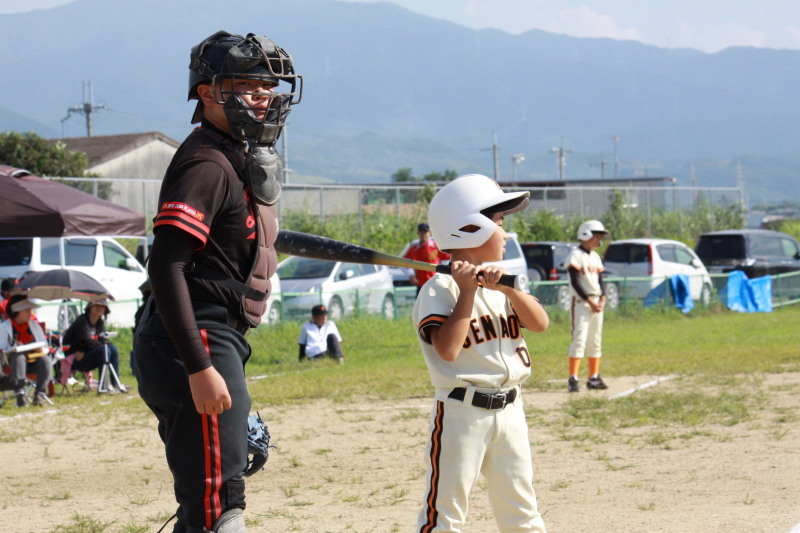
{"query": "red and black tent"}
(31, 206)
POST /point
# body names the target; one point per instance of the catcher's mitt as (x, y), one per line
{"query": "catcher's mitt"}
(257, 444)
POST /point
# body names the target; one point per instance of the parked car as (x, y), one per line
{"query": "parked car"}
(545, 261)
(651, 262)
(345, 288)
(102, 258)
(274, 312)
(756, 252)
(513, 261)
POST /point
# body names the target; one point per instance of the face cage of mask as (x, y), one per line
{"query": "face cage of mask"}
(242, 119)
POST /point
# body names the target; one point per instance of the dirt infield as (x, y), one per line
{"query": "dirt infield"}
(358, 468)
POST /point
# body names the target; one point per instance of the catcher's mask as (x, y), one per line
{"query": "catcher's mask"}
(227, 62)
(224, 56)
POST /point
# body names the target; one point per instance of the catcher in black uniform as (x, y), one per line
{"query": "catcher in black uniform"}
(209, 268)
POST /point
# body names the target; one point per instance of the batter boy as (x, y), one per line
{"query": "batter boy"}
(469, 328)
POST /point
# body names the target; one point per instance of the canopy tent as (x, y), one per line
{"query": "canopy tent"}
(31, 206)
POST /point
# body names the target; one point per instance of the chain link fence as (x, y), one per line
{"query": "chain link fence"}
(330, 200)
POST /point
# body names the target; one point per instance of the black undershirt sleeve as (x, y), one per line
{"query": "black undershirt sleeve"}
(172, 250)
(574, 281)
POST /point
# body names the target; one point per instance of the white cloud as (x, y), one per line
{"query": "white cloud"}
(715, 37)
(517, 16)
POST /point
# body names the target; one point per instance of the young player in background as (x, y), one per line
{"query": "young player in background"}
(588, 301)
(469, 327)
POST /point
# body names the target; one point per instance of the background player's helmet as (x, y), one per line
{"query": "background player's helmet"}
(226, 56)
(456, 213)
(589, 228)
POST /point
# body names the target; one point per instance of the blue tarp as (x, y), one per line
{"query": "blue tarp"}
(678, 286)
(680, 292)
(748, 295)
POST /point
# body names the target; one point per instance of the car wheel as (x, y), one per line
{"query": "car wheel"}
(705, 295)
(335, 308)
(612, 295)
(535, 274)
(564, 298)
(387, 307)
(274, 313)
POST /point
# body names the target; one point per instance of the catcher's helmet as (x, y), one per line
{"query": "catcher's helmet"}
(589, 228)
(456, 214)
(227, 56)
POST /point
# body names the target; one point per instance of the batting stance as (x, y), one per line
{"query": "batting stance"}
(588, 302)
(469, 327)
(209, 268)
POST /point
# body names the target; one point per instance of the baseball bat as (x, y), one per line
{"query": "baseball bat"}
(316, 247)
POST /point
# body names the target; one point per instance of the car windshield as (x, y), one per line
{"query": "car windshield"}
(541, 255)
(711, 247)
(304, 268)
(627, 253)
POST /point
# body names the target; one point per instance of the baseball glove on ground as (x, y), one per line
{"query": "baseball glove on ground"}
(257, 444)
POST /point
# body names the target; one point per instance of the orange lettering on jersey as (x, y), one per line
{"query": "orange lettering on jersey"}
(504, 327)
(488, 327)
(180, 206)
(475, 332)
(513, 326)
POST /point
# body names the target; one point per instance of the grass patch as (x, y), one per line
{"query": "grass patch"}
(690, 409)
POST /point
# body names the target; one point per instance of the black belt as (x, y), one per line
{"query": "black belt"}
(493, 402)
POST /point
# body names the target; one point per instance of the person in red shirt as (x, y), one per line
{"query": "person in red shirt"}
(424, 250)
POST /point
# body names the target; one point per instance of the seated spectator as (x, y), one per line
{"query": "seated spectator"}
(8, 288)
(19, 329)
(86, 340)
(320, 337)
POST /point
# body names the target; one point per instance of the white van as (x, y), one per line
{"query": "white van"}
(102, 258)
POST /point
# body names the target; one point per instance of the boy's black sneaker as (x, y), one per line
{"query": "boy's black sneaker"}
(572, 384)
(596, 383)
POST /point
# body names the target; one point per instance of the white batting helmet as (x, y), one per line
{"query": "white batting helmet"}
(455, 214)
(590, 227)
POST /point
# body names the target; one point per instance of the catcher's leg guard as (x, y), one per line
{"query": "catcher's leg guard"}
(231, 521)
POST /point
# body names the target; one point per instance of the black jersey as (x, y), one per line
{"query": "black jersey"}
(203, 195)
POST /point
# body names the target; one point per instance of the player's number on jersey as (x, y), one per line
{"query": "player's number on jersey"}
(525, 357)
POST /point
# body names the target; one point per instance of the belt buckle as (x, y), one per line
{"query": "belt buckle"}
(502, 396)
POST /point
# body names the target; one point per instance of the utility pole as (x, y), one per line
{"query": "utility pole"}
(495, 149)
(561, 158)
(616, 139)
(516, 160)
(602, 165)
(87, 108)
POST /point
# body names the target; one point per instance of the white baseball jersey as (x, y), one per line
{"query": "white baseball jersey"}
(590, 266)
(494, 354)
(467, 440)
(315, 337)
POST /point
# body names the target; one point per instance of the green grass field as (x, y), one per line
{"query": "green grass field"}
(383, 358)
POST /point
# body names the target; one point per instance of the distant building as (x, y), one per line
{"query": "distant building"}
(131, 156)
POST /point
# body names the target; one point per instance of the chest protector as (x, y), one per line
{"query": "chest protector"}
(254, 289)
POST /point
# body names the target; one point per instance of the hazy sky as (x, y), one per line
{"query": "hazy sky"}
(708, 25)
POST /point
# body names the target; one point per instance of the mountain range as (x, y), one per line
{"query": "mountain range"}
(386, 88)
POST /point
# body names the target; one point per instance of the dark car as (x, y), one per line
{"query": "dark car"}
(545, 261)
(756, 252)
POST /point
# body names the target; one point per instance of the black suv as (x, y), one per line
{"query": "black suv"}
(545, 259)
(757, 252)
